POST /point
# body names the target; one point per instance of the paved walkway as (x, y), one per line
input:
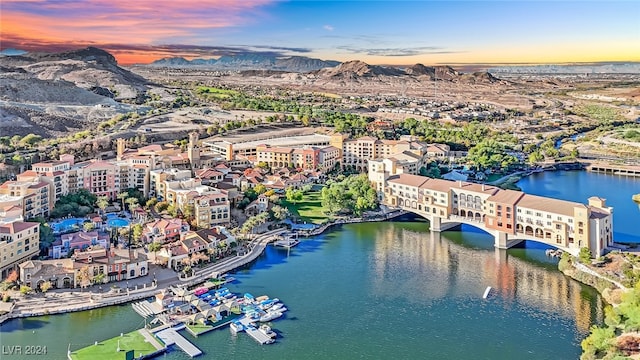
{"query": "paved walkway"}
(151, 339)
(68, 301)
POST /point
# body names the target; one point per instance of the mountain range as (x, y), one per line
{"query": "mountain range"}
(253, 61)
(51, 94)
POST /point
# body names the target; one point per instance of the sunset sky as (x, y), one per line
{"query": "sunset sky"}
(377, 32)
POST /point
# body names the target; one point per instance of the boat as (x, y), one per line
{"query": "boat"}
(486, 292)
(271, 315)
(236, 327)
(266, 304)
(636, 198)
(200, 291)
(277, 307)
(266, 329)
(262, 298)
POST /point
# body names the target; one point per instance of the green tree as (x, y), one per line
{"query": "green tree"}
(585, 255)
(597, 343)
(294, 195)
(154, 247)
(83, 277)
(99, 278)
(151, 203)
(88, 226)
(46, 286)
(102, 202)
(30, 139)
(133, 204)
(279, 212)
(24, 290)
(161, 206)
(260, 189)
(136, 230)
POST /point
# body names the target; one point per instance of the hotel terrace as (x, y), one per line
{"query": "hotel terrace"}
(511, 216)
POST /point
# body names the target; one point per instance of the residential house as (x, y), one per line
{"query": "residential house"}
(164, 230)
(78, 240)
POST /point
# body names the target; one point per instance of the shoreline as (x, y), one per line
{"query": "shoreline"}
(259, 244)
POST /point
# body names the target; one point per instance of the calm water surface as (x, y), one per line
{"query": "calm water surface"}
(378, 291)
(394, 290)
(580, 185)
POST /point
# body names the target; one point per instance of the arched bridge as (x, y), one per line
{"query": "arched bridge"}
(502, 239)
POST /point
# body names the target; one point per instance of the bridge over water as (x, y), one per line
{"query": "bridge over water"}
(502, 240)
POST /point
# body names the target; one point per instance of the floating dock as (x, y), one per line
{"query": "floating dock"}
(171, 337)
(258, 335)
(252, 331)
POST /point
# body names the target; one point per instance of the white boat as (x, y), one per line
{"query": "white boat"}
(266, 304)
(236, 327)
(271, 315)
(486, 292)
(277, 307)
(266, 329)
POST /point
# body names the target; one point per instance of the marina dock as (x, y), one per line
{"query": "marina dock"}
(258, 335)
(171, 337)
(252, 331)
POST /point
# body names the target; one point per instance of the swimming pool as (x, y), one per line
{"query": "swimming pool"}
(67, 224)
(118, 222)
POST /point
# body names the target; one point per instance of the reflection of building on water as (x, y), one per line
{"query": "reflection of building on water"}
(402, 256)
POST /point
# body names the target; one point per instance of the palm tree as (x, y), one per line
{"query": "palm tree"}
(133, 204)
(154, 247)
(102, 203)
(123, 195)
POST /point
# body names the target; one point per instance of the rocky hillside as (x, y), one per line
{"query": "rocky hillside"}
(254, 61)
(357, 69)
(53, 94)
(89, 68)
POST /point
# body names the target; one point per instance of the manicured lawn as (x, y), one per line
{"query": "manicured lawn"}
(107, 349)
(199, 328)
(309, 209)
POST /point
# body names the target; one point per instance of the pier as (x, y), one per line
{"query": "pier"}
(171, 337)
(258, 335)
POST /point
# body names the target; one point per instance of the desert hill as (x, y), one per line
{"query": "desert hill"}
(252, 61)
(87, 68)
(356, 68)
(54, 93)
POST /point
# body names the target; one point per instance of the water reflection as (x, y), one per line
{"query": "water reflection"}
(404, 254)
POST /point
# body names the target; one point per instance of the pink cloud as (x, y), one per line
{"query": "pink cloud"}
(121, 21)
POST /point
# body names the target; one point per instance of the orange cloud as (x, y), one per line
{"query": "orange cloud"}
(39, 25)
